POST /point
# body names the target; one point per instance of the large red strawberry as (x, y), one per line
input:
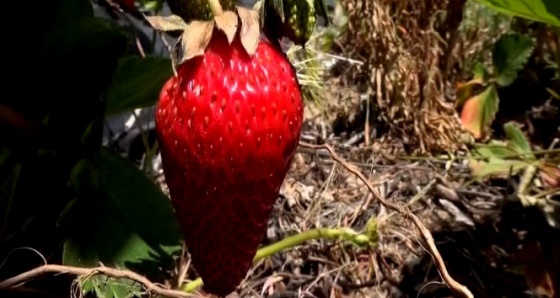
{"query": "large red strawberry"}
(228, 125)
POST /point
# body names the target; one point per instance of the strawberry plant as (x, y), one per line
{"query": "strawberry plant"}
(546, 11)
(479, 96)
(539, 170)
(509, 56)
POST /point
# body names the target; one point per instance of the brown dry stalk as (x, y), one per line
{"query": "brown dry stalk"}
(20, 279)
(405, 212)
(409, 50)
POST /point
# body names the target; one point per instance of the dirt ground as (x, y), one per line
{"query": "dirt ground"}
(488, 240)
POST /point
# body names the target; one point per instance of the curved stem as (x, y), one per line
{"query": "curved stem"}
(192, 286)
(331, 234)
(215, 7)
(294, 240)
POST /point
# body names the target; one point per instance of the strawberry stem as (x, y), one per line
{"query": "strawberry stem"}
(215, 7)
(347, 234)
(330, 234)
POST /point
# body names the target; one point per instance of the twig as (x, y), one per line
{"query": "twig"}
(23, 248)
(16, 281)
(400, 208)
(346, 234)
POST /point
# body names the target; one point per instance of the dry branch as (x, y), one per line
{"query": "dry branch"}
(152, 288)
(404, 211)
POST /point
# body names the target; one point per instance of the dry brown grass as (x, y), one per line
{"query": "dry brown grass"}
(408, 49)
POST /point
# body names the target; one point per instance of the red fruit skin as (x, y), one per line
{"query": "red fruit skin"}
(228, 126)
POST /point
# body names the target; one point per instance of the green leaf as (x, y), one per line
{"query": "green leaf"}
(518, 141)
(119, 218)
(493, 150)
(495, 167)
(108, 287)
(509, 56)
(480, 73)
(479, 111)
(546, 11)
(137, 83)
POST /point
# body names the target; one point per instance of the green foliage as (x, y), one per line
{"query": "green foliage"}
(546, 11)
(518, 141)
(55, 177)
(112, 220)
(516, 156)
(509, 56)
(107, 287)
(137, 82)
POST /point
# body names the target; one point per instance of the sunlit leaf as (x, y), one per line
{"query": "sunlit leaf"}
(494, 150)
(546, 11)
(518, 141)
(479, 111)
(497, 168)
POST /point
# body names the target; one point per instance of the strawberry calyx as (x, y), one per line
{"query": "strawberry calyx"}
(195, 36)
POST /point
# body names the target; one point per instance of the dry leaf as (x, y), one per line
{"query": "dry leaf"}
(227, 22)
(168, 23)
(250, 29)
(195, 39)
(550, 174)
(268, 286)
